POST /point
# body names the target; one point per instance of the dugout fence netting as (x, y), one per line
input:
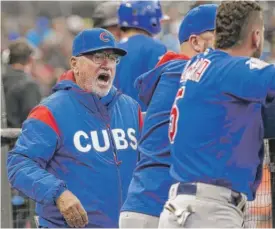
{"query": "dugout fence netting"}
(258, 213)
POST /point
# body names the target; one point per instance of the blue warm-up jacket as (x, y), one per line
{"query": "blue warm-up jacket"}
(143, 53)
(151, 181)
(217, 128)
(74, 140)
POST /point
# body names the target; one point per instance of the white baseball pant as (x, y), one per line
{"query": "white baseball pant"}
(208, 206)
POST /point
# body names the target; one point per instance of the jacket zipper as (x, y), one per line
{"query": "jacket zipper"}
(116, 162)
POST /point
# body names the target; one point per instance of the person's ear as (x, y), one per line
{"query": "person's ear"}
(194, 41)
(74, 65)
(256, 39)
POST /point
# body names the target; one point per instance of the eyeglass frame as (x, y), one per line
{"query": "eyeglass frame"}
(106, 55)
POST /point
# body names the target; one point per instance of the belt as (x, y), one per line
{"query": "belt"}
(191, 189)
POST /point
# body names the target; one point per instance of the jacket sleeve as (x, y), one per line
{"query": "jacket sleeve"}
(27, 161)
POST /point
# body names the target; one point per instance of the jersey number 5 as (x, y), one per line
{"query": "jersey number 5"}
(174, 116)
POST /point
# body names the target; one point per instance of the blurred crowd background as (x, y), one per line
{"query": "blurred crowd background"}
(50, 27)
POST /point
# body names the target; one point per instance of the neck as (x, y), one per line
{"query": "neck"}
(133, 32)
(18, 66)
(186, 49)
(239, 50)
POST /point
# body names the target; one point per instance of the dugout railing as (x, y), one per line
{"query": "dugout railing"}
(258, 214)
(6, 211)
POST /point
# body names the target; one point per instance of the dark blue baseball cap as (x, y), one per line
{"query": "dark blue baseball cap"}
(92, 40)
(198, 20)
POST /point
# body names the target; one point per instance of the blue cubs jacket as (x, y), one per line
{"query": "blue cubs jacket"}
(151, 181)
(74, 140)
(143, 53)
(216, 126)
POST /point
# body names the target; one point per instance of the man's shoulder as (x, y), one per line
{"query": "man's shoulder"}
(254, 66)
(57, 100)
(176, 65)
(143, 44)
(155, 44)
(17, 85)
(255, 63)
(250, 63)
(222, 60)
(29, 84)
(172, 69)
(149, 42)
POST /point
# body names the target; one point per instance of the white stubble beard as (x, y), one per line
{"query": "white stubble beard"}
(101, 92)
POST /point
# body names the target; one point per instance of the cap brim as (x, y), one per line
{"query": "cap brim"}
(110, 22)
(118, 51)
(106, 23)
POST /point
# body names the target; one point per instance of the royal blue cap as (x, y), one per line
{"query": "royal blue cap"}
(145, 15)
(92, 40)
(198, 20)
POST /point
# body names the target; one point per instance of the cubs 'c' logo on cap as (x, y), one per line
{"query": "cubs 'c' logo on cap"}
(104, 37)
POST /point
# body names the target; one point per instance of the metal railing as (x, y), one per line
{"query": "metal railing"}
(6, 211)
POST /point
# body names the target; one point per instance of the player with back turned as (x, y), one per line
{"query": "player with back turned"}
(216, 126)
(139, 22)
(151, 181)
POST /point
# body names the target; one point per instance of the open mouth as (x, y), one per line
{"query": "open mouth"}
(104, 78)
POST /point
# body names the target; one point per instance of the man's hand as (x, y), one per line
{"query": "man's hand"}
(72, 210)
